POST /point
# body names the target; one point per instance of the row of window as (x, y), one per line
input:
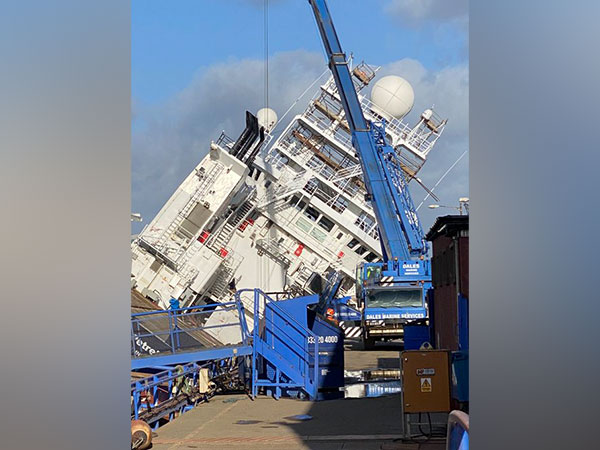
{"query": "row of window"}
(361, 250)
(327, 224)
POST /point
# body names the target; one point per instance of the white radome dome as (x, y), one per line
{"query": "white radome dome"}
(266, 118)
(394, 95)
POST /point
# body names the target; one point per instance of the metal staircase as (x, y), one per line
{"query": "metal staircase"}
(233, 220)
(226, 271)
(218, 242)
(304, 273)
(285, 352)
(281, 353)
(222, 238)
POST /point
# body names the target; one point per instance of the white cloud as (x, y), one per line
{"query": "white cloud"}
(448, 91)
(170, 139)
(421, 10)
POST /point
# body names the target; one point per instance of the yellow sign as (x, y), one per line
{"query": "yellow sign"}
(425, 384)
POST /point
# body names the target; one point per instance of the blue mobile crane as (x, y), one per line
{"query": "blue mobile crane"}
(392, 292)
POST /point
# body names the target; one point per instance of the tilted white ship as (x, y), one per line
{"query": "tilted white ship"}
(278, 213)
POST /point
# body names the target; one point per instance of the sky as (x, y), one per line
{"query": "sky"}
(198, 65)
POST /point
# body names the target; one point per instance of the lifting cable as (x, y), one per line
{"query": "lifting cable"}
(266, 50)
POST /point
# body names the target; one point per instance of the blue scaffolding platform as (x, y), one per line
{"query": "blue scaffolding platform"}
(278, 355)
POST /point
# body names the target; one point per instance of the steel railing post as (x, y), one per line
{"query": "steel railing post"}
(136, 401)
(132, 341)
(254, 368)
(316, 368)
(171, 331)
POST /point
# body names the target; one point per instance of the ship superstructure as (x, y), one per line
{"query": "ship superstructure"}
(276, 213)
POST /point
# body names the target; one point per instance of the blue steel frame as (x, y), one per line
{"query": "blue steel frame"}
(156, 382)
(153, 383)
(262, 348)
(178, 322)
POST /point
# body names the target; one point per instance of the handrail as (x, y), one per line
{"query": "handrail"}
(280, 311)
(305, 358)
(187, 308)
(167, 375)
(282, 333)
(304, 355)
(184, 330)
(176, 322)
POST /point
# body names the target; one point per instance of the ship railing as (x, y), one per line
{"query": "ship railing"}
(273, 249)
(346, 173)
(224, 141)
(326, 128)
(400, 131)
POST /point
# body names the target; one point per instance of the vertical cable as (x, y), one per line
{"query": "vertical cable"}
(266, 36)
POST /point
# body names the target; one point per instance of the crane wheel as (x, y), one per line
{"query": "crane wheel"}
(141, 435)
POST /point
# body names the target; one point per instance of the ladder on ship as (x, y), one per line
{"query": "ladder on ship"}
(225, 273)
(206, 182)
(219, 240)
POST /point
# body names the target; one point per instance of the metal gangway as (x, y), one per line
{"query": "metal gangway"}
(179, 358)
(181, 336)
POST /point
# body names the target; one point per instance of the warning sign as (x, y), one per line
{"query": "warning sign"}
(425, 384)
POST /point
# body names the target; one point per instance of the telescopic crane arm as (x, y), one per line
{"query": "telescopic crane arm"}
(401, 235)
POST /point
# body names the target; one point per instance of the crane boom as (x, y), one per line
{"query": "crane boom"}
(390, 293)
(401, 235)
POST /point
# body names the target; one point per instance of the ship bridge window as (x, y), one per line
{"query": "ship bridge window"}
(353, 243)
(371, 257)
(311, 213)
(360, 250)
(326, 224)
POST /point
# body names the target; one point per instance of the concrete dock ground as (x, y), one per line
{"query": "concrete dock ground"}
(236, 421)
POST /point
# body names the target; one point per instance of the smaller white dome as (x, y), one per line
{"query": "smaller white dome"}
(266, 118)
(394, 95)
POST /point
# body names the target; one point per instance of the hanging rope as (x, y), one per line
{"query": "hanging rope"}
(266, 36)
